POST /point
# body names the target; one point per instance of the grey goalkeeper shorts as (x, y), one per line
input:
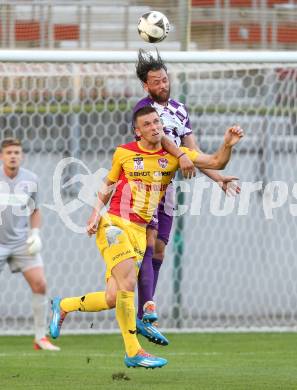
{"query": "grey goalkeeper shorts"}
(18, 258)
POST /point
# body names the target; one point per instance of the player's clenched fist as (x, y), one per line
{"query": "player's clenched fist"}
(187, 167)
(233, 135)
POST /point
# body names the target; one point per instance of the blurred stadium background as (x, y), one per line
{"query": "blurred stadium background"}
(232, 272)
(110, 25)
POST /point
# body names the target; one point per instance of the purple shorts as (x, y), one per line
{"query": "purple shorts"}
(163, 217)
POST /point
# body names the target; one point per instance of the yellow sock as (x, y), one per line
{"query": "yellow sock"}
(90, 302)
(125, 314)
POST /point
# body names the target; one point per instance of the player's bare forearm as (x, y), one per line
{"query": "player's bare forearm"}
(222, 156)
(212, 174)
(104, 196)
(190, 142)
(186, 165)
(228, 184)
(35, 219)
(231, 138)
(170, 146)
(219, 159)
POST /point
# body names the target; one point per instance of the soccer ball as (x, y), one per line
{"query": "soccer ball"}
(153, 27)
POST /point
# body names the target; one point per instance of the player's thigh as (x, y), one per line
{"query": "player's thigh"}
(4, 256)
(165, 222)
(125, 275)
(36, 279)
(159, 249)
(22, 261)
(118, 242)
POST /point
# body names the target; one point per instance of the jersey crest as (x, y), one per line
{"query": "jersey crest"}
(163, 162)
(138, 163)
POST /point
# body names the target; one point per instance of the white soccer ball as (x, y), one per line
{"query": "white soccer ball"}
(153, 27)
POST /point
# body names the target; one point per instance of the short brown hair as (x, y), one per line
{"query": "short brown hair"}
(10, 142)
(143, 111)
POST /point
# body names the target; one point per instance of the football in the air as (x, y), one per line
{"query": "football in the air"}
(153, 26)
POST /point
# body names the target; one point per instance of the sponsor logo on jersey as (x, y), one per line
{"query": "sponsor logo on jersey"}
(140, 186)
(137, 174)
(138, 163)
(139, 252)
(127, 252)
(163, 162)
(160, 174)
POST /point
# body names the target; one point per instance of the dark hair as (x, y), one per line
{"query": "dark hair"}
(143, 111)
(147, 62)
(10, 142)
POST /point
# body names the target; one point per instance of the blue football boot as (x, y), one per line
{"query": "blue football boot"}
(58, 316)
(149, 331)
(145, 360)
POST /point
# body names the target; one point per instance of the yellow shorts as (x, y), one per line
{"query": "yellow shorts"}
(118, 240)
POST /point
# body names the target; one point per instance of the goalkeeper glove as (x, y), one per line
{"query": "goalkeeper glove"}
(34, 242)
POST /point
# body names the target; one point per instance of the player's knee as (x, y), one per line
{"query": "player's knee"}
(129, 286)
(39, 286)
(159, 251)
(151, 236)
(111, 297)
(129, 283)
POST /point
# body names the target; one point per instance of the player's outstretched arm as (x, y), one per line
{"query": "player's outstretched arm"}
(186, 165)
(219, 159)
(227, 183)
(104, 196)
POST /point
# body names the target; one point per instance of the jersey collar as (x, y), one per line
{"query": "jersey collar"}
(8, 177)
(147, 150)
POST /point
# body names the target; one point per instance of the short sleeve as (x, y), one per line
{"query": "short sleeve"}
(35, 196)
(116, 167)
(187, 124)
(191, 153)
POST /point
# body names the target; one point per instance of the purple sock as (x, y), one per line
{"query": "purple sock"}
(145, 281)
(156, 267)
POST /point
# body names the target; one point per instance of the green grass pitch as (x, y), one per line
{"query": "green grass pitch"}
(246, 361)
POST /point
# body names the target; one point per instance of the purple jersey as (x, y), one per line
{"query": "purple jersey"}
(174, 116)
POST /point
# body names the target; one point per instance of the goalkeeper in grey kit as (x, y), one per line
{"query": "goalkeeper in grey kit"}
(20, 242)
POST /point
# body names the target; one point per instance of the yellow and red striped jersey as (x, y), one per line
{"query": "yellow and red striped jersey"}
(142, 178)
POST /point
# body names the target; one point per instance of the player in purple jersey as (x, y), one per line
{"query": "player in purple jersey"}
(152, 73)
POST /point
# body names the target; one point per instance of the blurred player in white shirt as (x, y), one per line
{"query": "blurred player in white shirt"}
(20, 242)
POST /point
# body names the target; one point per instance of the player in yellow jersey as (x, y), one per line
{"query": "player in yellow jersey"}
(141, 172)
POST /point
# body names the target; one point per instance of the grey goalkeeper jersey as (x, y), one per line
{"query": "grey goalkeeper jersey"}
(18, 199)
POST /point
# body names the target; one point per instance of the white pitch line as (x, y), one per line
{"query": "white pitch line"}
(104, 355)
(98, 354)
